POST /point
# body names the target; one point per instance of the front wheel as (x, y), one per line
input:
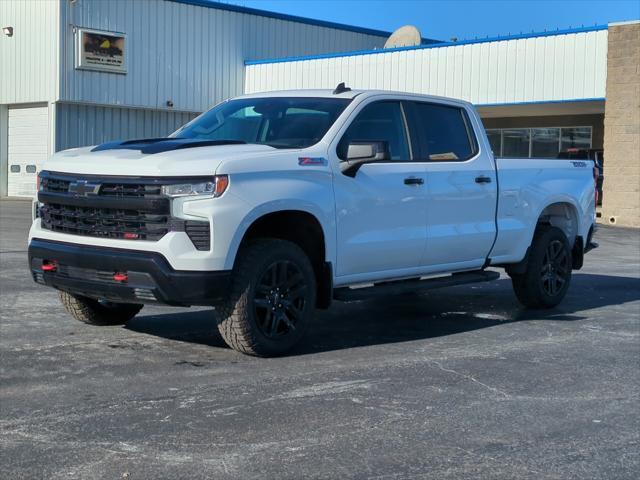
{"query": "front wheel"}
(548, 275)
(96, 312)
(272, 297)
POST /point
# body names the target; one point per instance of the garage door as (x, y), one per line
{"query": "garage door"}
(28, 148)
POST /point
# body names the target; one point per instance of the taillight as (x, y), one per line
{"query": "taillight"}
(38, 182)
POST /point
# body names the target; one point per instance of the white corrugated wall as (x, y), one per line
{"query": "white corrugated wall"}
(543, 68)
(81, 125)
(191, 55)
(28, 59)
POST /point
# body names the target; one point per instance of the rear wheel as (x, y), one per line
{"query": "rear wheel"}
(272, 297)
(96, 312)
(548, 275)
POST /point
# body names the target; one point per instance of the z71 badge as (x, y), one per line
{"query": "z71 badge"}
(309, 161)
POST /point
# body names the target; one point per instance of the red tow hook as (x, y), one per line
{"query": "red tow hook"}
(120, 277)
(49, 266)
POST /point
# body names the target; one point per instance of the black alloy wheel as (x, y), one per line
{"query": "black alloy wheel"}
(547, 277)
(279, 299)
(555, 269)
(271, 298)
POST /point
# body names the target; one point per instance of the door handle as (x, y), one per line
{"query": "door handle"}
(483, 179)
(413, 181)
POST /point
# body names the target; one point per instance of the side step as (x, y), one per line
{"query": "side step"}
(349, 294)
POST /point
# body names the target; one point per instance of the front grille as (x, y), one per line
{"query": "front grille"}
(104, 222)
(132, 190)
(122, 208)
(91, 274)
(129, 208)
(56, 185)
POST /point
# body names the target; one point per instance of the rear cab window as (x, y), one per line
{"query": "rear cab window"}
(443, 132)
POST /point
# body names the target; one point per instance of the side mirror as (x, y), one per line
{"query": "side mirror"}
(360, 153)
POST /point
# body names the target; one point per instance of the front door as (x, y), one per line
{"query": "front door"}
(380, 212)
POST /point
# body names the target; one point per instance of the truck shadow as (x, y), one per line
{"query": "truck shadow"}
(411, 317)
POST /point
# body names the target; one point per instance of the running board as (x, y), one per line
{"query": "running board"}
(349, 294)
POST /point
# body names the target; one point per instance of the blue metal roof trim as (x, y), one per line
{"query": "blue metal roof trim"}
(432, 45)
(540, 102)
(290, 18)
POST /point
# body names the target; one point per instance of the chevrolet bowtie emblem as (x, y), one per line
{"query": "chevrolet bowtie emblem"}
(82, 188)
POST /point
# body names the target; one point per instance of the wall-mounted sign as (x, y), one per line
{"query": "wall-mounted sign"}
(99, 50)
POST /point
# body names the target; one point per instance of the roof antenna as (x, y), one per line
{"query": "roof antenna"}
(341, 88)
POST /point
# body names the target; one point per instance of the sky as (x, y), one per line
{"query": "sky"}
(464, 19)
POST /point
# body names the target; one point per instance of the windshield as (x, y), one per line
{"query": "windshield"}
(278, 122)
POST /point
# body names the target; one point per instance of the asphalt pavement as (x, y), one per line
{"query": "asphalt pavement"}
(450, 384)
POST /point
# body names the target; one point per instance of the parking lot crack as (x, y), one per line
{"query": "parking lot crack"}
(470, 377)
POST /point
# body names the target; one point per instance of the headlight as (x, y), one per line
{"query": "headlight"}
(211, 188)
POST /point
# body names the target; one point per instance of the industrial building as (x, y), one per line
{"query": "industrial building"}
(539, 94)
(177, 58)
(82, 72)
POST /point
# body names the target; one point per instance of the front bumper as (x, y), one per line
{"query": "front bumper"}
(89, 271)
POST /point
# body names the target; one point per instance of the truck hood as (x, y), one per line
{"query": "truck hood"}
(196, 160)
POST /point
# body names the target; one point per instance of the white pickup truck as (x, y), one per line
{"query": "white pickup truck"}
(271, 205)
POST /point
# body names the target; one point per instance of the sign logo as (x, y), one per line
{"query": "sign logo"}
(82, 188)
(100, 50)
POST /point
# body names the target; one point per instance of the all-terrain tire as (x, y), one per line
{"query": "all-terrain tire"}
(93, 312)
(239, 319)
(546, 280)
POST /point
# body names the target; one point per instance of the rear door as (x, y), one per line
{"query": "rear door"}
(461, 185)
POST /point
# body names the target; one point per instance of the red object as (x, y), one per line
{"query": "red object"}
(120, 277)
(130, 236)
(49, 267)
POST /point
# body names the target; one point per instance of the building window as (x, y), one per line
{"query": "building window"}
(576, 137)
(546, 142)
(515, 142)
(495, 140)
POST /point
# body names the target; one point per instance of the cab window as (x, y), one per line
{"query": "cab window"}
(378, 122)
(444, 132)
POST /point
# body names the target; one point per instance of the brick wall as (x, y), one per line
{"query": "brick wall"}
(621, 200)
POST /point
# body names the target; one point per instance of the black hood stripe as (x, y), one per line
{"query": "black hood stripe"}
(159, 145)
